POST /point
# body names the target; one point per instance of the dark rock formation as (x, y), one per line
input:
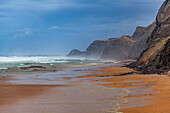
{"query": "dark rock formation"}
(76, 53)
(156, 52)
(28, 68)
(140, 35)
(95, 50)
(160, 63)
(119, 49)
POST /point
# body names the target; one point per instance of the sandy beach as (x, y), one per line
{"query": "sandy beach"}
(148, 93)
(85, 56)
(110, 89)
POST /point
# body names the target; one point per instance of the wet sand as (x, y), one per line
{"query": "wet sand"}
(148, 93)
(78, 98)
(107, 90)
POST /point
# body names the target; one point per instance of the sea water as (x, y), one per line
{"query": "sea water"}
(12, 61)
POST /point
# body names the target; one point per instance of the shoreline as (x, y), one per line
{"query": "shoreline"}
(146, 91)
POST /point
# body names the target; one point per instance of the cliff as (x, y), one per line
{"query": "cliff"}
(95, 50)
(140, 35)
(156, 52)
(139, 32)
(76, 53)
(112, 48)
(119, 49)
(160, 63)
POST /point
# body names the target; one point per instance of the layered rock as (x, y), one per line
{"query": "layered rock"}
(141, 35)
(160, 62)
(156, 51)
(119, 49)
(139, 32)
(76, 53)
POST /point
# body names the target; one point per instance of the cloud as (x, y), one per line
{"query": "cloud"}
(28, 32)
(65, 21)
(23, 33)
(54, 27)
(40, 4)
(47, 5)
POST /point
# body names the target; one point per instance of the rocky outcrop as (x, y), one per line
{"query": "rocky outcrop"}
(76, 53)
(156, 52)
(140, 35)
(119, 49)
(29, 68)
(95, 50)
(160, 62)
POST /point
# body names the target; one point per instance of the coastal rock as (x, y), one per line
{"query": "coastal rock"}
(141, 35)
(76, 53)
(156, 52)
(160, 63)
(119, 49)
(33, 67)
(27, 68)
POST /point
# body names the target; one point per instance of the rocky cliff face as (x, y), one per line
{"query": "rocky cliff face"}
(76, 53)
(95, 50)
(139, 32)
(150, 41)
(119, 49)
(112, 48)
(156, 51)
(160, 62)
(140, 35)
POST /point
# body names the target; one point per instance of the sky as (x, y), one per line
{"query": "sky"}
(54, 27)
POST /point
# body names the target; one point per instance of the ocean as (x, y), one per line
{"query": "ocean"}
(55, 67)
(20, 61)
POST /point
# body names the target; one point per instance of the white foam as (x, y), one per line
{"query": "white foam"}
(3, 68)
(7, 61)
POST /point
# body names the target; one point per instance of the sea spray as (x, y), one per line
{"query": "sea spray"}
(12, 61)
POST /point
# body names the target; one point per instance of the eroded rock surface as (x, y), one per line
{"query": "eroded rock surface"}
(119, 49)
(157, 47)
(95, 50)
(140, 35)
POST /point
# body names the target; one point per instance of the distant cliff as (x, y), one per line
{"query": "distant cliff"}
(119, 49)
(150, 45)
(140, 35)
(112, 48)
(156, 56)
(76, 53)
(97, 47)
(95, 50)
